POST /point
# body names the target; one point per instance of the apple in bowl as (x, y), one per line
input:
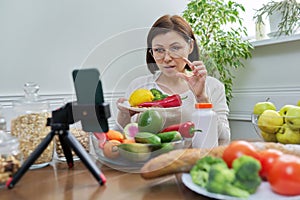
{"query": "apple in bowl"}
(281, 126)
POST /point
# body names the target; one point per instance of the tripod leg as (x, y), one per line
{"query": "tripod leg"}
(85, 158)
(30, 160)
(66, 149)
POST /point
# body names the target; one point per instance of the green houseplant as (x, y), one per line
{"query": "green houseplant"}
(285, 12)
(222, 48)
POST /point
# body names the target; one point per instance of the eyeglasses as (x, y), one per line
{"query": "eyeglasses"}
(174, 52)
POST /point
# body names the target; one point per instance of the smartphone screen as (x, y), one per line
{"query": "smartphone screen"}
(88, 88)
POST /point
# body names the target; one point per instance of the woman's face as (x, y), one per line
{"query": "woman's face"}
(168, 50)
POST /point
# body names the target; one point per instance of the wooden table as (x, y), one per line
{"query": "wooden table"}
(57, 182)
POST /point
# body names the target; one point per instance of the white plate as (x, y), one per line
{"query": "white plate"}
(126, 104)
(263, 191)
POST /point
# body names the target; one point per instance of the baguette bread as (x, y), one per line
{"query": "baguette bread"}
(182, 160)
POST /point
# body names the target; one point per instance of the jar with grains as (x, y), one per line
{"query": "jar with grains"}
(30, 124)
(80, 135)
(10, 157)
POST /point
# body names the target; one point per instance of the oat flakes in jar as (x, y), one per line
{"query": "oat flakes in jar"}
(29, 124)
(10, 157)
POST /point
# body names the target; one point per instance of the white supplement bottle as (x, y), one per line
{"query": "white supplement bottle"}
(205, 119)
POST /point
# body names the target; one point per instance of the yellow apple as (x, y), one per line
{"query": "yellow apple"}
(268, 137)
(298, 103)
(283, 110)
(270, 121)
(292, 118)
(260, 107)
(288, 136)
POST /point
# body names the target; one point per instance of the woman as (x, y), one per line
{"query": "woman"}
(172, 58)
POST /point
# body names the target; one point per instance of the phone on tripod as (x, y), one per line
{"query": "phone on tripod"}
(90, 109)
(88, 88)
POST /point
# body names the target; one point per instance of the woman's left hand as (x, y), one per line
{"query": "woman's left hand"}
(197, 80)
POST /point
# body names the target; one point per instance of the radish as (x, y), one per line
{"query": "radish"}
(130, 130)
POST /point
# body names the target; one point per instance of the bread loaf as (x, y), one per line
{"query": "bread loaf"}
(182, 160)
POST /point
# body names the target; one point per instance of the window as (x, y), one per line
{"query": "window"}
(249, 22)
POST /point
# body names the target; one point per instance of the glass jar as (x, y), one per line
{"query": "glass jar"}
(2, 120)
(10, 157)
(29, 124)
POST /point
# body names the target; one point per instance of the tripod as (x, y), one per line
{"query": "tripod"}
(60, 121)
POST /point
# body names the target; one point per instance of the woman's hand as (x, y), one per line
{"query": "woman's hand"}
(197, 80)
(124, 114)
(123, 110)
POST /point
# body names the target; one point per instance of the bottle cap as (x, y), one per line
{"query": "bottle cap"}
(203, 105)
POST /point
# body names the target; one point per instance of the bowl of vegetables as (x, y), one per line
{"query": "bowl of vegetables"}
(123, 153)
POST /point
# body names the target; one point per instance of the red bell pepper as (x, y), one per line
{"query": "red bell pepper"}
(186, 129)
(170, 101)
(102, 138)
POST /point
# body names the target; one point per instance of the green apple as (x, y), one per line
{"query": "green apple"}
(292, 118)
(270, 121)
(268, 137)
(260, 107)
(283, 110)
(288, 136)
(298, 103)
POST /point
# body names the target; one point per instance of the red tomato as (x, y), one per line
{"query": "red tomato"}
(267, 159)
(284, 176)
(238, 148)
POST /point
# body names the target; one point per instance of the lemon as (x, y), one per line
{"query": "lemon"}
(140, 96)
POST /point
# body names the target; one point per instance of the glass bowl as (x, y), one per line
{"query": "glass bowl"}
(286, 133)
(131, 157)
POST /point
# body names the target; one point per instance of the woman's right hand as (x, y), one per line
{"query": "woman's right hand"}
(123, 109)
(197, 80)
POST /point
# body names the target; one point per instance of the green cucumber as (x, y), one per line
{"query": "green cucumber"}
(159, 149)
(136, 152)
(170, 136)
(148, 138)
(163, 146)
(134, 147)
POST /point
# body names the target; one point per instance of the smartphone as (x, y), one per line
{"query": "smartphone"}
(89, 94)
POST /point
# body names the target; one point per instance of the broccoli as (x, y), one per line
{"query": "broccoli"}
(200, 170)
(213, 174)
(247, 173)
(220, 181)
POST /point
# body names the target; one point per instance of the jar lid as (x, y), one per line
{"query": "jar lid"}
(31, 102)
(203, 105)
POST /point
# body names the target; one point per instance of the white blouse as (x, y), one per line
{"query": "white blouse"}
(215, 91)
